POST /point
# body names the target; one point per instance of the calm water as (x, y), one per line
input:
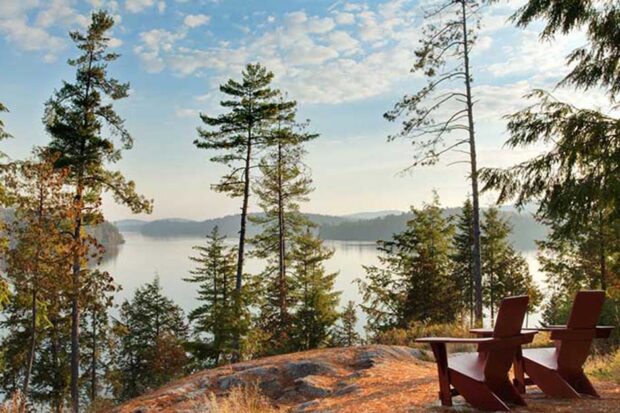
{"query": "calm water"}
(141, 258)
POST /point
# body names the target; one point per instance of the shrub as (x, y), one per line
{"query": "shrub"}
(246, 399)
(407, 337)
(606, 367)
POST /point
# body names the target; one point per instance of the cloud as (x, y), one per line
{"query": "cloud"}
(154, 43)
(28, 25)
(60, 12)
(31, 38)
(532, 57)
(136, 6)
(115, 42)
(196, 20)
(319, 59)
(344, 18)
(342, 41)
(187, 113)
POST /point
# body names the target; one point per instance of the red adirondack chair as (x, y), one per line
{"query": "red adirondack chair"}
(558, 371)
(482, 377)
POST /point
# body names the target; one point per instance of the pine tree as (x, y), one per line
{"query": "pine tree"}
(238, 135)
(4, 292)
(283, 184)
(495, 232)
(37, 260)
(52, 373)
(575, 182)
(96, 338)
(443, 58)
(214, 320)
(150, 332)
(463, 258)
(571, 261)
(316, 308)
(74, 118)
(415, 281)
(506, 271)
(3, 134)
(345, 334)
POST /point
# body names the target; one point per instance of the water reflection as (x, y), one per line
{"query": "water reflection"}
(140, 258)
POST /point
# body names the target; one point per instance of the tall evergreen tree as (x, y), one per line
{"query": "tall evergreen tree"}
(3, 202)
(150, 330)
(96, 338)
(463, 259)
(345, 334)
(506, 271)
(283, 184)
(3, 133)
(316, 309)
(575, 182)
(415, 281)
(571, 262)
(214, 319)
(495, 231)
(238, 135)
(444, 59)
(37, 260)
(75, 116)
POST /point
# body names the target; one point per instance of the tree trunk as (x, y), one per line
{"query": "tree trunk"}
(33, 344)
(474, 174)
(55, 346)
(281, 246)
(602, 252)
(93, 368)
(240, 253)
(75, 312)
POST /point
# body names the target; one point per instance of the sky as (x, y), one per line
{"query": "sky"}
(344, 62)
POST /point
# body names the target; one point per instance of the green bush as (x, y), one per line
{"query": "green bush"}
(407, 337)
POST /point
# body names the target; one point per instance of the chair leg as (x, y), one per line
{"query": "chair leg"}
(508, 393)
(519, 380)
(549, 381)
(441, 357)
(582, 384)
(478, 394)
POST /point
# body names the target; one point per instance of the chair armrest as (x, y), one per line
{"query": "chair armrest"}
(573, 335)
(488, 332)
(482, 332)
(603, 331)
(559, 332)
(452, 340)
(484, 343)
(550, 328)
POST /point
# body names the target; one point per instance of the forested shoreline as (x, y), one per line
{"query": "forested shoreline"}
(439, 269)
(526, 230)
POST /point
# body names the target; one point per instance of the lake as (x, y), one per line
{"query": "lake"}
(140, 258)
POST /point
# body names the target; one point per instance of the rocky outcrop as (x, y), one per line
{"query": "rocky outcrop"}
(313, 381)
(371, 379)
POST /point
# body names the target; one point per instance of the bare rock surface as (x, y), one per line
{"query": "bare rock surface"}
(367, 379)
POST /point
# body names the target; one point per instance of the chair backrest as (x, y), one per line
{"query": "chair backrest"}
(584, 315)
(508, 324)
(510, 316)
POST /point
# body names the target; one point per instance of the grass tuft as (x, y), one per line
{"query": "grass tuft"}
(246, 399)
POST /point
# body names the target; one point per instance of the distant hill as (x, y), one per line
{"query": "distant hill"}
(228, 225)
(130, 225)
(372, 215)
(106, 233)
(346, 228)
(525, 228)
